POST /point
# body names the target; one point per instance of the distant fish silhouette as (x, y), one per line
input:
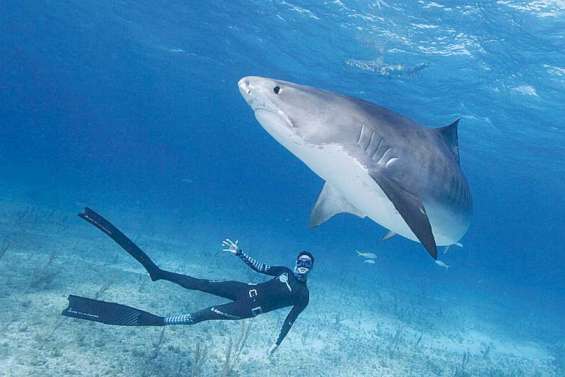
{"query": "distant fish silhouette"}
(381, 68)
(367, 255)
(370, 261)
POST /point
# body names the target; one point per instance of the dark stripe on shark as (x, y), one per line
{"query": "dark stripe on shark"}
(410, 207)
(458, 193)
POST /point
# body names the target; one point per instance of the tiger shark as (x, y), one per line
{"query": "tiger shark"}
(375, 162)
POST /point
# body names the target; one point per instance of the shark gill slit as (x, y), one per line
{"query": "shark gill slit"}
(370, 141)
(365, 143)
(361, 135)
(384, 157)
(374, 147)
(375, 155)
(389, 162)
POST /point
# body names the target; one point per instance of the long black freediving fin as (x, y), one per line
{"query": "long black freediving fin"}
(411, 209)
(122, 240)
(109, 313)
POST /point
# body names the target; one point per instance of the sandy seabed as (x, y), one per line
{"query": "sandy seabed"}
(46, 255)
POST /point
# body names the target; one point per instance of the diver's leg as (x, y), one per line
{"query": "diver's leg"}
(122, 240)
(226, 289)
(110, 313)
(230, 311)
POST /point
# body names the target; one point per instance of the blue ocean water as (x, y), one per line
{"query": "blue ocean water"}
(132, 107)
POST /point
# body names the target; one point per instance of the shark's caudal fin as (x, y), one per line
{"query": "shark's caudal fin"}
(410, 207)
(449, 134)
(330, 203)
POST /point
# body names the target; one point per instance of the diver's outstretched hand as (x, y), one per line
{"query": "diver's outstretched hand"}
(231, 246)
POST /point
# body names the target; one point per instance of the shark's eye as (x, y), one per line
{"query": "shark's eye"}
(277, 89)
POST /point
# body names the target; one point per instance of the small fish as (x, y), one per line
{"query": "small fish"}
(442, 264)
(370, 261)
(367, 255)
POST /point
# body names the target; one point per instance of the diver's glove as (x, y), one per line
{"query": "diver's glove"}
(231, 246)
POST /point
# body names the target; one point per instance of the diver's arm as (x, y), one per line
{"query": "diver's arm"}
(263, 268)
(290, 318)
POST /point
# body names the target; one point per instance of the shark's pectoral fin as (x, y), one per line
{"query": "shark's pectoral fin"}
(330, 203)
(410, 207)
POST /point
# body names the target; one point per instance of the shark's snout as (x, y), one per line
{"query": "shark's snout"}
(248, 90)
(262, 95)
(255, 91)
(244, 86)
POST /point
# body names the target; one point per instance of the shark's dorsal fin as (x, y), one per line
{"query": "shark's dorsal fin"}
(330, 202)
(449, 134)
(411, 208)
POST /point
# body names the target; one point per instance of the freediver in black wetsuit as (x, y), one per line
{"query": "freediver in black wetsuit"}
(287, 288)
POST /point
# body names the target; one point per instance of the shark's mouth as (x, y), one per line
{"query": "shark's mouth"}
(278, 125)
(277, 113)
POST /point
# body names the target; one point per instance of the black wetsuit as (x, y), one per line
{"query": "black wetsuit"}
(248, 300)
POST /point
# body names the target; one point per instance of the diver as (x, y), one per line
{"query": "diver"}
(286, 288)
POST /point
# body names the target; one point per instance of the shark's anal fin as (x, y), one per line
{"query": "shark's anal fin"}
(411, 209)
(330, 203)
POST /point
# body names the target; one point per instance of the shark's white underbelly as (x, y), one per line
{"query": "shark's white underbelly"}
(352, 180)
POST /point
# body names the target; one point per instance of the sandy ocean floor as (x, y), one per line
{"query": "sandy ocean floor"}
(46, 255)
